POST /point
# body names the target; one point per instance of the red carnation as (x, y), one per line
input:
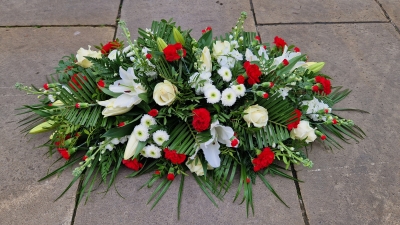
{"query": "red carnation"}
(265, 95)
(201, 119)
(110, 46)
(77, 81)
(253, 72)
(334, 121)
(84, 158)
(294, 124)
(170, 176)
(174, 157)
(148, 56)
(326, 85)
(174, 52)
(279, 42)
(323, 137)
(101, 83)
(258, 38)
(248, 180)
(46, 86)
(153, 112)
(157, 172)
(264, 159)
(234, 142)
(132, 164)
(285, 62)
(315, 88)
(296, 49)
(64, 153)
(265, 47)
(240, 79)
(121, 124)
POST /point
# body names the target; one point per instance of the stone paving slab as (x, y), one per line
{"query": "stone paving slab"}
(50, 12)
(196, 15)
(30, 54)
(196, 208)
(357, 185)
(27, 55)
(392, 7)
(289, 11)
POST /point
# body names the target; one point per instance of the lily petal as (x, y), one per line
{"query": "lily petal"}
(211, 153)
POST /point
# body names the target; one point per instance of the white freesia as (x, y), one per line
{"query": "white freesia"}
(197, 168)
(314, 106)
(220, 134)
(84, 62)
(164, 93)
(303, 131)
(128, 87)
(205, 58)
(131, 146)
(250, 56)
(256, 115)
(111, 109)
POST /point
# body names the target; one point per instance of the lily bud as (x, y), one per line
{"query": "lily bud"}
(131, 147)
(161, 44)
(58, 103)
(43, 127)
(178, 36)
(314, 66)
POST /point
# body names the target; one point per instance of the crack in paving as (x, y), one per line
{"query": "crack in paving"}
(118, 18)
(312, 23)
(302, 207)
(388, 17)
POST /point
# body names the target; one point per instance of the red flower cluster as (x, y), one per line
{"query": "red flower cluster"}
(294, 124)
(174, 52)
(205, 30)
(326, 85)
(201, 119)
(76, 80)
(279, 42)
(110, 46)
(132, 164)
(174, 157)
(64, 153)
(264, 159)
(253, 72)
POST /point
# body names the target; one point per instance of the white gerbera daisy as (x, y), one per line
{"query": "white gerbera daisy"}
(141, 132)
(147, 120)
(225, 73)
(213, 95)
(239, 90)
(228, 97)
(160, 136)
(152, 151)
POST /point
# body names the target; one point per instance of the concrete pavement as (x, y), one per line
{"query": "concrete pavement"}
(359, 40)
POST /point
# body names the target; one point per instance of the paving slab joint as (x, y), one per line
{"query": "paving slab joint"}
(77, 200)
(40, 26)
(312, 23)
(302, 207)
(118, 18)
(388, 17)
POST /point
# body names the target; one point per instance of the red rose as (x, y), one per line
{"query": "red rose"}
(294, 124)
(174, 52)
(174, 157)
(253, 72)
(201, 119)
(110, 46)
(240, 79)
(279, 42)
(171, 176)
(64, 153)
(132, 164)
(153, 112)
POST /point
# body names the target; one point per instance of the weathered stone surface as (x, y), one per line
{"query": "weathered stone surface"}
(27, 55)
(30, 54)
(196, 208)
(392, 7)
(286, 11)
(195, 15)
(48, 12)
(358, 185)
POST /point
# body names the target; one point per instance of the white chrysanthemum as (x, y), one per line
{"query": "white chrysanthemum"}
(228, 97)
(115, 141)
(151, 151)
(141, 132)
(225, 73)
(239, 90)
(213, 95)
(160, 136)
(147, 120)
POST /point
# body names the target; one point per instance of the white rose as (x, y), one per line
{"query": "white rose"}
(110, 108)
(164, 93)
(131, 146)
(257, 115)
(303, 131)
(84, 62)
(221, 48)
(197, 167)
(206, 59)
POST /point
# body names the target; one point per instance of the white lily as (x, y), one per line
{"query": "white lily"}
(288, 56)
(131, 146)
(128, 87)
(220, 134)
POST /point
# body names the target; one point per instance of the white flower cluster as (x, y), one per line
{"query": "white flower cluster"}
(315, 108)
(113, 142)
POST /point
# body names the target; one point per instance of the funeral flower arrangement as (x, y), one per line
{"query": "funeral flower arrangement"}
(170, 105)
